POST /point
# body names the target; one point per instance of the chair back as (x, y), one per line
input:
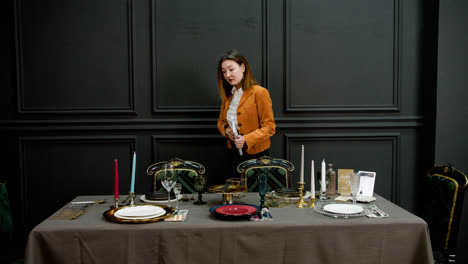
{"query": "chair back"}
(186, 172)
(6, 222)
(445, 188)
(279, 172)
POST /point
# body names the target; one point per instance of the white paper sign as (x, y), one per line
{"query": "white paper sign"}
(366, 185)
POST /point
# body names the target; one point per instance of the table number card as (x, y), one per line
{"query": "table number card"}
(344, 187)
(366, 185)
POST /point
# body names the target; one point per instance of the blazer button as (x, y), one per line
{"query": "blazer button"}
(239, 124)
(238, 113)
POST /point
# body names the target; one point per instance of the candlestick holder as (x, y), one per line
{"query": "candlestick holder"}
(323, 196)
(312, 200)
(132, 198)
(116, 204)
(301, 202)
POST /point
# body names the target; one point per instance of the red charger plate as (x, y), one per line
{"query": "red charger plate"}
(236, 210)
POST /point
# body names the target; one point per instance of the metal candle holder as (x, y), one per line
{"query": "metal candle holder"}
(312, 200)
(132, 198)
(116, 205)
(301, 202)
(323, 196)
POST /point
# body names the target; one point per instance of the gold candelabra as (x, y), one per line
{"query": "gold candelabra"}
(301, 202)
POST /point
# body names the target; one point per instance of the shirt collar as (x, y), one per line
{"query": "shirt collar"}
(233, 90)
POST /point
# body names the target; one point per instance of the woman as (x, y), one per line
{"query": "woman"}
(246, 115)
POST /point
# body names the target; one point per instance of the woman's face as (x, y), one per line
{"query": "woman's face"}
(233, 72)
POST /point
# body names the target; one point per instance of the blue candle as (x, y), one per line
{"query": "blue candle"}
(132, 184)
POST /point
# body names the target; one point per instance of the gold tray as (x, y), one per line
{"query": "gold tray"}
(230, 189)
(109, 215)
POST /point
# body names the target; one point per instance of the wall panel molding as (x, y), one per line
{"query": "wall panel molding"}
(158, 139)
(75, 106)
(354, 138)
(189, 28)
(37, 164)
(207, 149)
(207, 123)
(331, 31)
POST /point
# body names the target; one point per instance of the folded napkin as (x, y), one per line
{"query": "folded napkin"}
(178, 216)
(263, 215)
(71, 212)
(359, 198)
(373, 211)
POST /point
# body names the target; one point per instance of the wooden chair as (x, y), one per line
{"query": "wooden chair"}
(444, 194)
(186, 172)
(279, 172)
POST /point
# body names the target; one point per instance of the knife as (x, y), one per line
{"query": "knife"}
(224, 188)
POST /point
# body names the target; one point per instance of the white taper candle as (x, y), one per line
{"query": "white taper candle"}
(312, 178)
(302, 164)
(323, 184)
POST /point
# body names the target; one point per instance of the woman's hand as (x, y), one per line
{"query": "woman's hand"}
(240, 141)
(229, 133)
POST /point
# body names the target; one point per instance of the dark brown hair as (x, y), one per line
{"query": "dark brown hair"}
(247, 82)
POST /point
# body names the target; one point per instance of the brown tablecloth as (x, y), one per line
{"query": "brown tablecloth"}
(295, 236)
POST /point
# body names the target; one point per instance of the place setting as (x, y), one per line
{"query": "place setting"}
(153, 209)
(335, 192)
(228, 210)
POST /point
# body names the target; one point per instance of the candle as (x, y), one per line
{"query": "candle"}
(312, 179)
(116, 180)
(302, 164)
(132, 184)
(323, 184)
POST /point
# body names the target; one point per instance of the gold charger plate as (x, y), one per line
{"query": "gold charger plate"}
(229, 189)
(109, 215)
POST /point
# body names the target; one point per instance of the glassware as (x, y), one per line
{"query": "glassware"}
(200, 184)
(354, 179)
(169, 179)
(177, 190)
(331, 180)
(262, 187)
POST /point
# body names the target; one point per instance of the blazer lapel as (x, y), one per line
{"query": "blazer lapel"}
(244, 97)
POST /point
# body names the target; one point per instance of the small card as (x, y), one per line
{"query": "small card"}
(366, 184)
(178, 216)
(344, 188)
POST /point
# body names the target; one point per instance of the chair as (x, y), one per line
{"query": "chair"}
(186, 171)
(279, 172)
(8, 253)
(444, 194)
(6, 222)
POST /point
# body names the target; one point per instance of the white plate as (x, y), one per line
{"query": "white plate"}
(140, 211)
(138, 218)
(343, 208)
(143, 198)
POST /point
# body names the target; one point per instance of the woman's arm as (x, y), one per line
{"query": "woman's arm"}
(222, 121)
(267, 125)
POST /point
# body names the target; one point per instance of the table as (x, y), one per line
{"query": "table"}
(295, 236)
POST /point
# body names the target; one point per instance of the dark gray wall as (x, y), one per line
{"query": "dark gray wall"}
(90, 81)
(452, 92)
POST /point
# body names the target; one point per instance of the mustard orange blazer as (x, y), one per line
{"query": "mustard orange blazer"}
(255, 119)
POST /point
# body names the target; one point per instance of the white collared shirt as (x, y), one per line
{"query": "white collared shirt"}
(231, 115)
